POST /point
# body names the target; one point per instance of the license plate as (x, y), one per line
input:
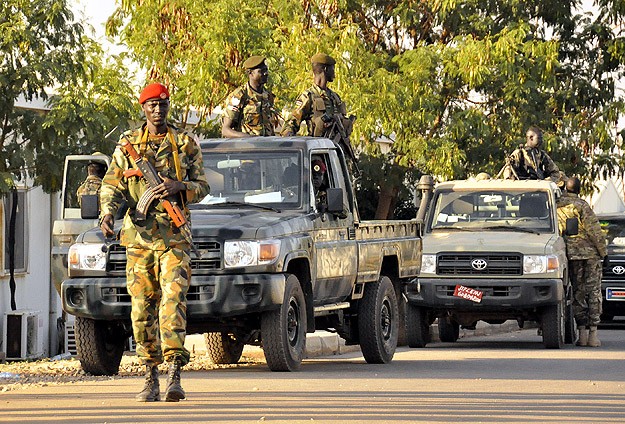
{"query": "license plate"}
(468, 293)
(613, 293)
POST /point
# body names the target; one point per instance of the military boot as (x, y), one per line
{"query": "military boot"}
(151, 389)
(583, 336)
(174, 389)
(593, 339)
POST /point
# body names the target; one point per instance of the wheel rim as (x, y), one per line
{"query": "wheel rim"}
(292, 323)
(386, 319)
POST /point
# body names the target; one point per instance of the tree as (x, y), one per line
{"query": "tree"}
(453, 84)
(45, 55)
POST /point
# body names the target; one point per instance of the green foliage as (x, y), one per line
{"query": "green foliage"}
(43, 49)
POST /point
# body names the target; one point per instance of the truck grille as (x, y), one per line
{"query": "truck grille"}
(480, 264)
(615, 271)
(210, 256)
(120, 294)
(497, 291)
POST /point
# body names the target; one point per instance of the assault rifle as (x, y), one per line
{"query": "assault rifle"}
(337, 133)
(170, 203)
(508, 165)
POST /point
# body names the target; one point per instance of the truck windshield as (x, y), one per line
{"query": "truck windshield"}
(269, 178)
(490, 210)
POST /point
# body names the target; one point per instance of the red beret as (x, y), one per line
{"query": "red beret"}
(318, 166)
(153, 91)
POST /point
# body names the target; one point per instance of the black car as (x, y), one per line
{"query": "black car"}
(613, 282)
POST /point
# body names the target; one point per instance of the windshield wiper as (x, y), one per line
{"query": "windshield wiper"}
(510, 228)
(451, 227)
(231, 203)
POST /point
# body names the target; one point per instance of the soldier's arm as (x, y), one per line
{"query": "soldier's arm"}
(232, 115)
(196, 184)
(302, 111)
(113, 185)
(552, 171)
(595, 234)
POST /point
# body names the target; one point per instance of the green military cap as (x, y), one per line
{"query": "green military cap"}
(322, 58)
(253, 62)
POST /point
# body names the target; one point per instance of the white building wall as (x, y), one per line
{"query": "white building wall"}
(33, 291)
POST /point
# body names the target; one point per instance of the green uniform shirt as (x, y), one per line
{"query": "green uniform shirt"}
(252, 112)
(157, 231)
(91, 185)
(311, 104)
(590, 241)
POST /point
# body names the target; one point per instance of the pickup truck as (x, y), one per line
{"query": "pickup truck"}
(275, 260)
(492, 251)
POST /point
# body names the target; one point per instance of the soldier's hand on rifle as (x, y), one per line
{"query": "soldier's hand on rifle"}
(107, 224)
(169, 187)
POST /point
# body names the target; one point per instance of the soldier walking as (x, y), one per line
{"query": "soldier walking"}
(322, 109)
(158, 262)
(250, 108)
(530, 162)
(585, 252)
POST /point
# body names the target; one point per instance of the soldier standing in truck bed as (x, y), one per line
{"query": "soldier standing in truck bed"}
(530, 162)
(322, 109)
(250, 108)
(158, 267)
(93, 182)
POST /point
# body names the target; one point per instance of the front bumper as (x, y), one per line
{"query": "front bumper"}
(216, 296)
(498, 294)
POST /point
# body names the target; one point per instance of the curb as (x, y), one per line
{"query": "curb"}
(324, 343)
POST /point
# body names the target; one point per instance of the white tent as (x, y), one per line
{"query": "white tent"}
(608, 198)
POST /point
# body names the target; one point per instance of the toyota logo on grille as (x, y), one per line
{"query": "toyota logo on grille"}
(479, 264)
(618, 270)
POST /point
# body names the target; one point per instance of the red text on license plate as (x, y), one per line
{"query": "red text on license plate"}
(468, 293)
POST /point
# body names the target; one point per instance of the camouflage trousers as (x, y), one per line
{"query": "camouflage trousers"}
(158, 281)
(586, 279)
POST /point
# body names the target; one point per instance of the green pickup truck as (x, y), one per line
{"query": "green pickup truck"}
(277, 259)
(492, 251)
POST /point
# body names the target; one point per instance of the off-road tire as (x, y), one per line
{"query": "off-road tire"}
(417, 326)
(283, 331)
(570, 326)
(378, 321)
(99, 345)
(448, 330)
(223, 348)
(552, 319)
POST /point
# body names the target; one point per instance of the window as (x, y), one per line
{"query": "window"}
(21, 235)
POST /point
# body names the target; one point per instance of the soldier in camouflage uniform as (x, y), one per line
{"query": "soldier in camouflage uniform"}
(92, 183)
(250, 109)
(322, 109)
(530, 162)
(320, 183)
(158, 262)
(585, 252)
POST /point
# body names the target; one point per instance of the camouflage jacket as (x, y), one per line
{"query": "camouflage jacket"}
(310, 106)
(590, 242)
(91, 185)
(252, 112)
(534, 164)
(157, 231)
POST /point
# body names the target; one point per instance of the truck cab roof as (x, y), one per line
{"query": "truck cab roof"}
(499, 184)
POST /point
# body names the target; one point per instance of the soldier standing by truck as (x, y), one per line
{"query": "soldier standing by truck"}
(322, 109)
(585, 251)
(158, 262)
(250, 108)
(93, 182)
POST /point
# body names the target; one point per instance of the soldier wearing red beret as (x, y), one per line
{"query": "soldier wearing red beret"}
(158, 268)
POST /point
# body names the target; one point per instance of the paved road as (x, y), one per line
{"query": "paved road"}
(500, 378)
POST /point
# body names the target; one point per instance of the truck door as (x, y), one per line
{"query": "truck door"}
(336, 255)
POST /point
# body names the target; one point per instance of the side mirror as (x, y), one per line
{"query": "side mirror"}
(572, 227)
(335, 200)
(89, 208)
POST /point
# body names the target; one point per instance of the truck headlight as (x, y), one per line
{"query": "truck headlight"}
(540, 264)
(239, 253)
(428, 264)
(89, 257)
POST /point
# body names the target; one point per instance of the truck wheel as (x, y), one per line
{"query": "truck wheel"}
(283, 331)
(223, 348)
(417, 326)
(553, 326)
(99, 345)
(448, 330)
(378, 323)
